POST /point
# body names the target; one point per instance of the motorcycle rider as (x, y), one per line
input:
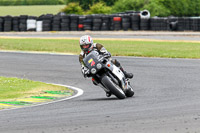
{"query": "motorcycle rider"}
(87, 45)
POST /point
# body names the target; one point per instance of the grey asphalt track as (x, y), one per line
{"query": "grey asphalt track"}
(174, 36)
(167, 97)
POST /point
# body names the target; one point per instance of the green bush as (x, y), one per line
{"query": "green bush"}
(109, 2)
(183, 7)
(157, 9)
(99, 8)
(85, 4)
(160, 7)
(124, 5)
(73, 8)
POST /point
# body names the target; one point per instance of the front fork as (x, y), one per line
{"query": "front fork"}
(100, 85)
(97, 81)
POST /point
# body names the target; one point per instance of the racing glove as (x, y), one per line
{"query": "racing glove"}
(85, 71)
(105, 53)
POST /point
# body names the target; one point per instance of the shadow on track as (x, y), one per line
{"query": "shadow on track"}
(102, 99)
(107, 99)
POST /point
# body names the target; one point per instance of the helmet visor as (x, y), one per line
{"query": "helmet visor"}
(85, 47)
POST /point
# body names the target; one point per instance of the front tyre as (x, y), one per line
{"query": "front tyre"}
(129, 93)
(108, 83)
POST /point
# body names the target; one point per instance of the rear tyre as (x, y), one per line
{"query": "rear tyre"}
(108, 83)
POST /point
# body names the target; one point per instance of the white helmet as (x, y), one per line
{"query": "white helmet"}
(86, 43)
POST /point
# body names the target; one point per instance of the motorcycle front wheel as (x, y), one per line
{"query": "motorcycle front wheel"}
(115, 89)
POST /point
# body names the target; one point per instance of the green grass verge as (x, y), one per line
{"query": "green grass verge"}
(30, 10)
(115, 47)
(12, 88)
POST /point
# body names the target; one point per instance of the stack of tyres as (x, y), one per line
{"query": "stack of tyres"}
(135, 21)
(181, 24)
(164, 24)
(56, 23)
(144, 24)
(74, 22)
(81, 23)
(173, 23)
(87, 23)
(111, 21)
(117, 20)
(153, 24)
(97, 20)
(16, 23)
(126, 22)
(145, 20)
(105, 23)
(1, 24)
(198, 24)
(65, 22)
(7, 23)
(39, 24)
(47, 22)
(158, 24)
(31, 23)
(195, 23)
(188, 22)
(22, 22)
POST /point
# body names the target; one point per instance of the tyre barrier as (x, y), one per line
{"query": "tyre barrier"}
(39, 26)
(126, 22)
(145, 14)
(105, 23)
(135, 21)
(97, 21)
(31, 23)
(195, 23)
(87, 22)
(23, 22)
(159, 24)
(130, 20)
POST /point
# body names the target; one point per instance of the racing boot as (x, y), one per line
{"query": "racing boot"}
(117, 63)
(127, 75)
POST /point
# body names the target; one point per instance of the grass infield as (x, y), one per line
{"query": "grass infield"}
(35, 10)
(13, 88)
(116, 47)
